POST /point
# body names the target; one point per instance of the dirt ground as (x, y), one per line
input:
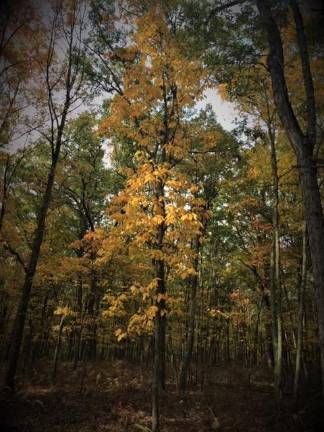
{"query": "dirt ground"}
(117, 397)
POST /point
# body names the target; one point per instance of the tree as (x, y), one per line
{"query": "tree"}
(258, 103)
(207, 169)
(85, 183)
(67, 24)
(302, 141)
(156, 213)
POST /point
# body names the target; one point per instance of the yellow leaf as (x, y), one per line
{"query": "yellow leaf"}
(120, 334)
(152, 311)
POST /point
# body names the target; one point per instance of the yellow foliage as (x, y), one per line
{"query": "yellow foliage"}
(223, 92)
(151, 312)
(120, 334)
(157, 215)
(63, 311)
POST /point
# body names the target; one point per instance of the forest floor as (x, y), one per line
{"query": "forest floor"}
(116, 398)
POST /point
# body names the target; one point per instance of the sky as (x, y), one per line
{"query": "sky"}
(225, 111)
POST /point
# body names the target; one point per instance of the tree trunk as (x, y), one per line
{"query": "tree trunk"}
(302, 288)
(275, 271)
(4, 192)
(91, 342)
(315, 229)
(57, 349)
(159, 320)
(185, 364)
(159, 348)
(78, 327)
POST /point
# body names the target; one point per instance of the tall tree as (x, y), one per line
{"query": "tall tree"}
(151, 111)
(63, 74)
(206, 166)
(303, 142)
(85, 185)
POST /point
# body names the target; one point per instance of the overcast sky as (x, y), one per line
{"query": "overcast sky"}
(225, 111)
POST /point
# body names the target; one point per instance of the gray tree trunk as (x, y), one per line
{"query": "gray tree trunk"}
(275, 271)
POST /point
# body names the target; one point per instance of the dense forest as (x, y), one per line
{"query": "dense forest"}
(158, 271)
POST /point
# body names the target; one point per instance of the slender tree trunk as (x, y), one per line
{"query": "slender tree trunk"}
(159, 346)
(4, 192)
(159, 320)
(264, 288)
(163, 351)
(78, 329)
(57, 349)
(275, 271)
(91, 317)
(255, 343)
(185, 364)
(156, 378)
(300, 314)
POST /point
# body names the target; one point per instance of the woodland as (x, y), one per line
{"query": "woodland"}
(158, 272)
